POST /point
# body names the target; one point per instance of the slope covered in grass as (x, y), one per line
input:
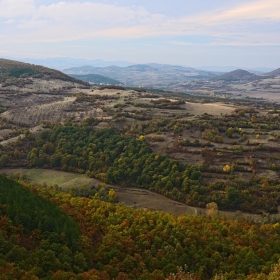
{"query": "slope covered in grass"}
(11, 71)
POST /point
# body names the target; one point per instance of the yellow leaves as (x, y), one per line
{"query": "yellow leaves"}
(211, 209)
(267, 229)
(277, 225)
(253, 119)
(212, 135)
(125, 223)
(101, 176)
(226, 168)
(265, 183)
(154, 176)
(112, 195)
(142, 137)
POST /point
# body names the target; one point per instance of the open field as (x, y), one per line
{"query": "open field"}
(137, 198)
(133, 197)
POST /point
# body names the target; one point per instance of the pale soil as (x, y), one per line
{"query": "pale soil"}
(45, 85)
(34, 130)
(209, 108)
(112, 92)
(5, 131)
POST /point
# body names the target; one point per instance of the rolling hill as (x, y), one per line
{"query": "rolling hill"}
(46, 234)
(145, 75)
(275, 72)
(15, 72)
(207, 153)
(238, 75)
(96, 79)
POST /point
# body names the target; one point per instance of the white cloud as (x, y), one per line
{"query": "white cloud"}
(264, 9)
(14, 8)
(86, 12)
(66, 21)
(10, 21)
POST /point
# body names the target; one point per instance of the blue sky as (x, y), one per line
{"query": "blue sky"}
(186, 32)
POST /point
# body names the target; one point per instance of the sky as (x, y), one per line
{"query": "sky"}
(184, 32)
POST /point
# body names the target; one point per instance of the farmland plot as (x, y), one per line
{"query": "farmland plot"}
(35, 114)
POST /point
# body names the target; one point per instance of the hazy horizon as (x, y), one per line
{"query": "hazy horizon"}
(243, 33)
(58, 62)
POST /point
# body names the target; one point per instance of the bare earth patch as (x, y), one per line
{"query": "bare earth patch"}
(209, 108)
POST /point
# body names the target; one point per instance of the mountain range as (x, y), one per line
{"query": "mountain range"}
(61, 63)
(173, 78)
(163, 76)
(145, 75)
(257, 70)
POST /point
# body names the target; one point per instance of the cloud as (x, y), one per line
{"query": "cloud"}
(14, 8)
(87, 12)
(250, 23)
(258, 10)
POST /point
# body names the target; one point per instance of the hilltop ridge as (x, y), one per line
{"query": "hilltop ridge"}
(151, 75)
(275, 72)
(15, 72)
(238, 75)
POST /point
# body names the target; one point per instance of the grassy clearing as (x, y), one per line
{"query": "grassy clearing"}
(133, 197)
(53, 177)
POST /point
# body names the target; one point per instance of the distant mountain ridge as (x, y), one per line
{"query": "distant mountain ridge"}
(61, 63)
(275, 72)
(225, 69)
(96, 79)
(238, 75)
(145, 75)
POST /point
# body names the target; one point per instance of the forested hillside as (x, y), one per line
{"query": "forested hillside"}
(117, 242)
(36, 237)
(96, 79)
(119, 159)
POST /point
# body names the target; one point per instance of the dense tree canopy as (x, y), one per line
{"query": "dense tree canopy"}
(129, 161)
(113, 158)
(117, 242)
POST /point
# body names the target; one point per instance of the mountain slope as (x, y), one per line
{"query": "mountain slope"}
(275, 72)
(145, 75)
(96, 79)
(17, 201)
(237, 75)
(224, 69)
(135, 244)
(12, 71)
